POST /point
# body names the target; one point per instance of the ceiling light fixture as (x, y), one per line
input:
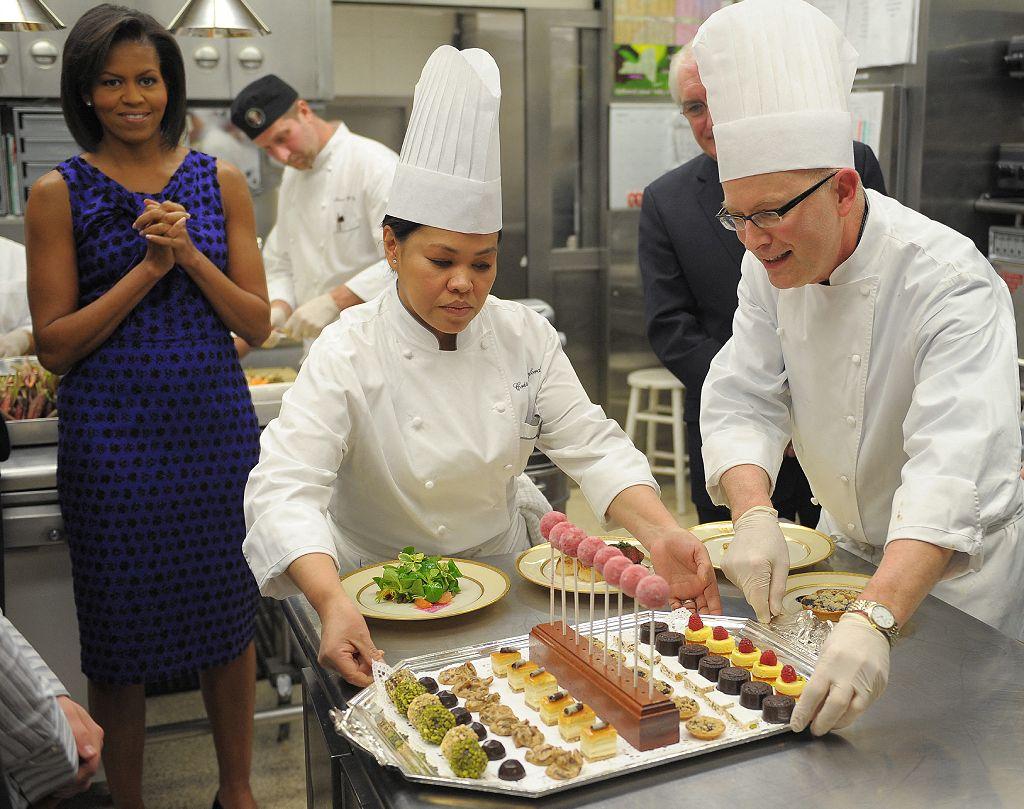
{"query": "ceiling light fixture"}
(27, 15)
(217, 18)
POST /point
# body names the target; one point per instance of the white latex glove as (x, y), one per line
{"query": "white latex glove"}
(15, 343)
(278, 318)
(757, 561)
(852, 671)
(309, 319)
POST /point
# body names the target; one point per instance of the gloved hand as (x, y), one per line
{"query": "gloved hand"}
(757, 561)
(278, 319)
(852, 671)
(15, 343)
(309, 319)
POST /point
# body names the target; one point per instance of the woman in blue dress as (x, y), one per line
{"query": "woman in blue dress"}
(142, 260)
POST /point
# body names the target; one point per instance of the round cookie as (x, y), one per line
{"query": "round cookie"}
(705, 728)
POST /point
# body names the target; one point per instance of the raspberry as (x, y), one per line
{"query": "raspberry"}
(788, 674)
(720, 633)
(695, 623)
(768, 658)
(746, 647)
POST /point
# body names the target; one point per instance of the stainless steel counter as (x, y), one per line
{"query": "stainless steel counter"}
(947, 731)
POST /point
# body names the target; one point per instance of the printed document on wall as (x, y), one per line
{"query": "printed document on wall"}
(884, 32)
(867, 108)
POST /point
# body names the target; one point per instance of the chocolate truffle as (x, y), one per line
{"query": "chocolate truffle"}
(645, 630)
(690, 655)
(462, 716)
(430, 684)
(778, 709)
(448, 699)
(494, 749)
(668, 643)
(753, 693)
(479, 730)
(511, 770)
(731, 679)
(709, 667)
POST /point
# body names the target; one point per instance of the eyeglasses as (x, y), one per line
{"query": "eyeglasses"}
(768, 219)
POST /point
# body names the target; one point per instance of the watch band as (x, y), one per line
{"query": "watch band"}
(865, 607)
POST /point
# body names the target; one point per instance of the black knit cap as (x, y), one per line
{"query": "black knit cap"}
(261, 103)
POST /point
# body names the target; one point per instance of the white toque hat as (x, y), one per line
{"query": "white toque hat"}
(449, 172)
(778, 75)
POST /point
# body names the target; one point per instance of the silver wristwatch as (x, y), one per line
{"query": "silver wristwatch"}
(879, 616)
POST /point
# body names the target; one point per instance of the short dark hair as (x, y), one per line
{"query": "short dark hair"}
(85, 56)
(403, 228)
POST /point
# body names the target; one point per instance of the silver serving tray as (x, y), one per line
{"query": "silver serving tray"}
(365, 723)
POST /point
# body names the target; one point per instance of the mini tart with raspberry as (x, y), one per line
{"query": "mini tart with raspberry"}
(696, 632)
(721, 642)
(789, 683)
(746, 654)
(767, 668)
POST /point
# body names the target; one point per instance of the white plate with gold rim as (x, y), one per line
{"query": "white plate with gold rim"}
(805, 584)
(480, 586)
(806, 546)
(535, 565)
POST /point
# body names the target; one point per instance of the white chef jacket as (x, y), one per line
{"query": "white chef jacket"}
(328, 222)
(386, 441)
(898, 384)
(14, 313)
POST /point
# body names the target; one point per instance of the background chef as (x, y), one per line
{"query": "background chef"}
(882, 341)
(15, 320)
(412, 419)
(324, 252)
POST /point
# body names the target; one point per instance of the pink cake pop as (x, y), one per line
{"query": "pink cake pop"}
(585, 552)
(549, 521)
(629, 582)
(652, 592)
(604, 554)
(558, 531)
(571, 541)
(613, 570)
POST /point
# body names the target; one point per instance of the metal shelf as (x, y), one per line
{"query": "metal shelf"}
(1011, 206)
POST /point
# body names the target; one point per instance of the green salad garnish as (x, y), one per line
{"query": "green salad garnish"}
(417, 576)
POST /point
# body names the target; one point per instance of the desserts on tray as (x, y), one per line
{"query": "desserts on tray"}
(477, 728)
(467, 758)
(731, 680)
(690, 655)
(752, 694)
(448, 699)
(511, 770)
(539, 684)
(688, 707)
(789, 683)
(566, 764)
(599, 741)
(552, 705)
(454, 735)
(462, 716)
(479, 700)
(705, 727)
(429, 683)
(778, 709)
(710, 666)
(494, 749)
(518, 672)
(668, 643)
(433, 722)
(402, 688)
(502, 659)
(721, 642)
(543, 754)
(573, 719)
(645, 630)
(696, 632)
(767, 668)
(418, 704)
(456, 673)
(526, 735)
(746, 654)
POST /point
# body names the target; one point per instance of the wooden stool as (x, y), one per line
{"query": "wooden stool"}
(655, 380)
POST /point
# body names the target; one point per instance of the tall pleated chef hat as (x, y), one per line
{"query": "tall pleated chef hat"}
(449, 172)
(778, 75)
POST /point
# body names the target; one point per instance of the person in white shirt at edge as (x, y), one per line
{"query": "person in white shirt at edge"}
(881, 341)
(413, 417)
(15, 320)
(323, 254)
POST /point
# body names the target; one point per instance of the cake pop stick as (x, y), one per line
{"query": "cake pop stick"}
(629, 581)
(652, 592)
(605, 554)
(555, 538)
(571, 540)
(547, 522)
(586, 552)
(613, 570)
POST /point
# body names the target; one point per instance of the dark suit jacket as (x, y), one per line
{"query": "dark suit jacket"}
(690, 266)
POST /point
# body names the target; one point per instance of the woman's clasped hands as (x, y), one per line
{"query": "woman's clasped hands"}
(165, 227)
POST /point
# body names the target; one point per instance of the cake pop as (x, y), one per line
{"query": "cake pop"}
(547, 522)
(555, 535)
(630, 579)
(603, 555)
(585, 553)
(652, 592)
(571, 540)
(613, 570)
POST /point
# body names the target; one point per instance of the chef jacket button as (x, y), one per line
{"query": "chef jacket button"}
(851, 421)
(508, 467)
(442, 530)
(429, 484)
(855, 359)
(844, 478)
(417, 422)
(778, 331)
(499, 406)
(865, 290)
(850, 526)
(407, 353)
(814, 501)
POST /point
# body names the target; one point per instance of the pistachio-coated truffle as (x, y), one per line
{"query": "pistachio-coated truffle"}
(434, 722)
(468, 759)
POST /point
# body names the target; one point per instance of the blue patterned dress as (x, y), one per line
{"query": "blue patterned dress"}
(157, 438)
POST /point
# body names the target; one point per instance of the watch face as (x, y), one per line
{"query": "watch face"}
(882, 617)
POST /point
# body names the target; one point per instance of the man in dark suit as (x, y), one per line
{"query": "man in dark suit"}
(690, 266)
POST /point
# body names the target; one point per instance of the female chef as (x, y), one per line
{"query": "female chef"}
(414, 415)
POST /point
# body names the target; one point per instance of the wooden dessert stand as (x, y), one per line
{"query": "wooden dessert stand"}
(646, 723)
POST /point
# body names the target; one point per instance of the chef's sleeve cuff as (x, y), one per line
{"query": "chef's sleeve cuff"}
(269, 546)
(944, 511)
(603, 481)
(738, 446)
